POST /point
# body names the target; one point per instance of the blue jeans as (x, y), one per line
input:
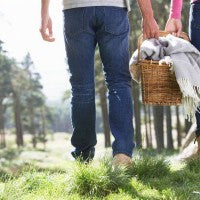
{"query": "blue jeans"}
(108, 27)
(194, 32)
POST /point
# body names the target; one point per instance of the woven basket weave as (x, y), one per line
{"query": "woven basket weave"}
(159, 85)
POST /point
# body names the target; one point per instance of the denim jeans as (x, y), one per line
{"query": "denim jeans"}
(194, 32)
(108, 27)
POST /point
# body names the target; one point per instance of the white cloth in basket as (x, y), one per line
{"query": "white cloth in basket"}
(185, 61)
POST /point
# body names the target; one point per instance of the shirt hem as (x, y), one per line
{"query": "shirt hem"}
(70, 6)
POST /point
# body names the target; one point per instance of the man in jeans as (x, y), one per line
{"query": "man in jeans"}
(86, 24)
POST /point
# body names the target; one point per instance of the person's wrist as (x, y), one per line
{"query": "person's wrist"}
(45, 10)
(175, 20)
(45, 14)
(148, 17)
(175, 16)
(148, 20)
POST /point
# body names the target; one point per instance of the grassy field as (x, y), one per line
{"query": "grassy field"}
(51, 174)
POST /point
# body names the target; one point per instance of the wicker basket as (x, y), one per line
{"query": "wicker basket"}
(159, 85)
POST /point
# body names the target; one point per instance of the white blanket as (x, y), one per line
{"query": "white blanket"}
(185, 61)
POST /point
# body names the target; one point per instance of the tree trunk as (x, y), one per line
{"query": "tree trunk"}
(105, 119)
(158, 125)
(2, 131)
(135, 86)
(150, 127)
(32, 124)
(136, 95)
(31, 107)
(178, 127)
(169, 128)
(146, 126)
(18, 122)
(43, 126)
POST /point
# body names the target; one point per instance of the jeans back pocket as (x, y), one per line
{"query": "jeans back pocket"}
(116, 20)
(73, 21)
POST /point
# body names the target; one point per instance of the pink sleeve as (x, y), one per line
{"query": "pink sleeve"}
(176, 8)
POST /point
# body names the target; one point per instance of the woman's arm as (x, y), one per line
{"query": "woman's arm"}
(176, 8)
(174, 24)
(150, 27)
(46, 23)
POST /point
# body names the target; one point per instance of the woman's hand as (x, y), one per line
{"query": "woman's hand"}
(174, 26)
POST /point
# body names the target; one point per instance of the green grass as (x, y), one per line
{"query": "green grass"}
(46, 174)
(150, 177)
(100, 180)
(147, 167)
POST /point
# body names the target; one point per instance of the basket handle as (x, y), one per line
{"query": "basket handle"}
(183, 35)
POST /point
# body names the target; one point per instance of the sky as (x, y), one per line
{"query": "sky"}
(19, 30)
